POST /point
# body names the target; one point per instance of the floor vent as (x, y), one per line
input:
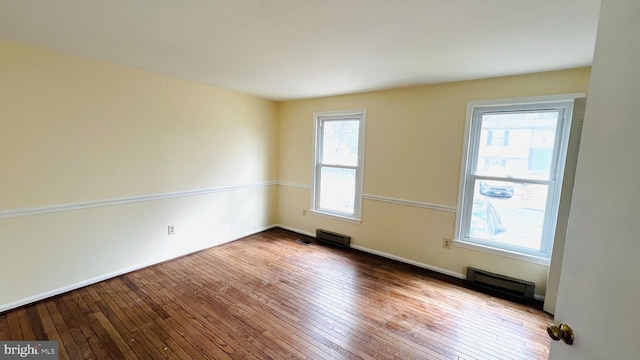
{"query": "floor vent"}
(503, 285)
(304, 241)
(332, 238)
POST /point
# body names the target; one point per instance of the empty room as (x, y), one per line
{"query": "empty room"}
(362, 179)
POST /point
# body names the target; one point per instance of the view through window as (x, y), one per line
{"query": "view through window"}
(512, 175)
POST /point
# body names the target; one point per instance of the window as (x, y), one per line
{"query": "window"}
(511, 175)
(337, 178)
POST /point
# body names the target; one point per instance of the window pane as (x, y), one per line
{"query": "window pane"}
(509, 213)
(337, 189)
(340, 142)
(517, 144)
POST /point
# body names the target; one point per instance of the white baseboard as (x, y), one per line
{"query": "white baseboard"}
(411, 262)
(397, 258)
(425, 266)
(64, 289)
(422, 265)
(249, 233)
(97, 279)
(296, 230)
(386, 255)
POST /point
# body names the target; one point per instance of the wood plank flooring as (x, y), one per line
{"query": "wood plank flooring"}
(268, 297)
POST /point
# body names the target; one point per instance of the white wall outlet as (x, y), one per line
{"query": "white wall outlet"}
(171, 229)
(446, 243)
(304, 212)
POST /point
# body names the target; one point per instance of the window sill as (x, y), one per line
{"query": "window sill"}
(335, 216)
(501, 252)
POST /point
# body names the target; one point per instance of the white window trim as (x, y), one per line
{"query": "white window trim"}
(318, 118)
(543, 257)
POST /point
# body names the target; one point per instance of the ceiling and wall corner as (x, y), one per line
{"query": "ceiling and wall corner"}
(283, 50)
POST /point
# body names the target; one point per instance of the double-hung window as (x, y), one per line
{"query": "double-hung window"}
(337, 177)
(511, 174)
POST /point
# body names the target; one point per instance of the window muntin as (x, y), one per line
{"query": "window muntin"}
(339, 142)
(510, 184)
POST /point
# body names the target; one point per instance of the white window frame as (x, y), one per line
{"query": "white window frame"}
(475, 109)
(319, 119)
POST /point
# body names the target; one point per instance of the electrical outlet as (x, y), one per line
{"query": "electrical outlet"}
(304, 212)
(171, 229)
(446, 243)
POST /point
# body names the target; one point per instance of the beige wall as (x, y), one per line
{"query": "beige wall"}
(413, 148)
(76, 131)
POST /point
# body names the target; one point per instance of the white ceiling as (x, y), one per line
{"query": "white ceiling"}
(291, 49)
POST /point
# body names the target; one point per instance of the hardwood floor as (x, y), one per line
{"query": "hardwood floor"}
(267, 296)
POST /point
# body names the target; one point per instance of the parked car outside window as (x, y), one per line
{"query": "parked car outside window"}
(496, 188)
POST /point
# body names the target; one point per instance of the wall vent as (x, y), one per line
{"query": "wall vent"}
(332, 238)
(508, 286)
